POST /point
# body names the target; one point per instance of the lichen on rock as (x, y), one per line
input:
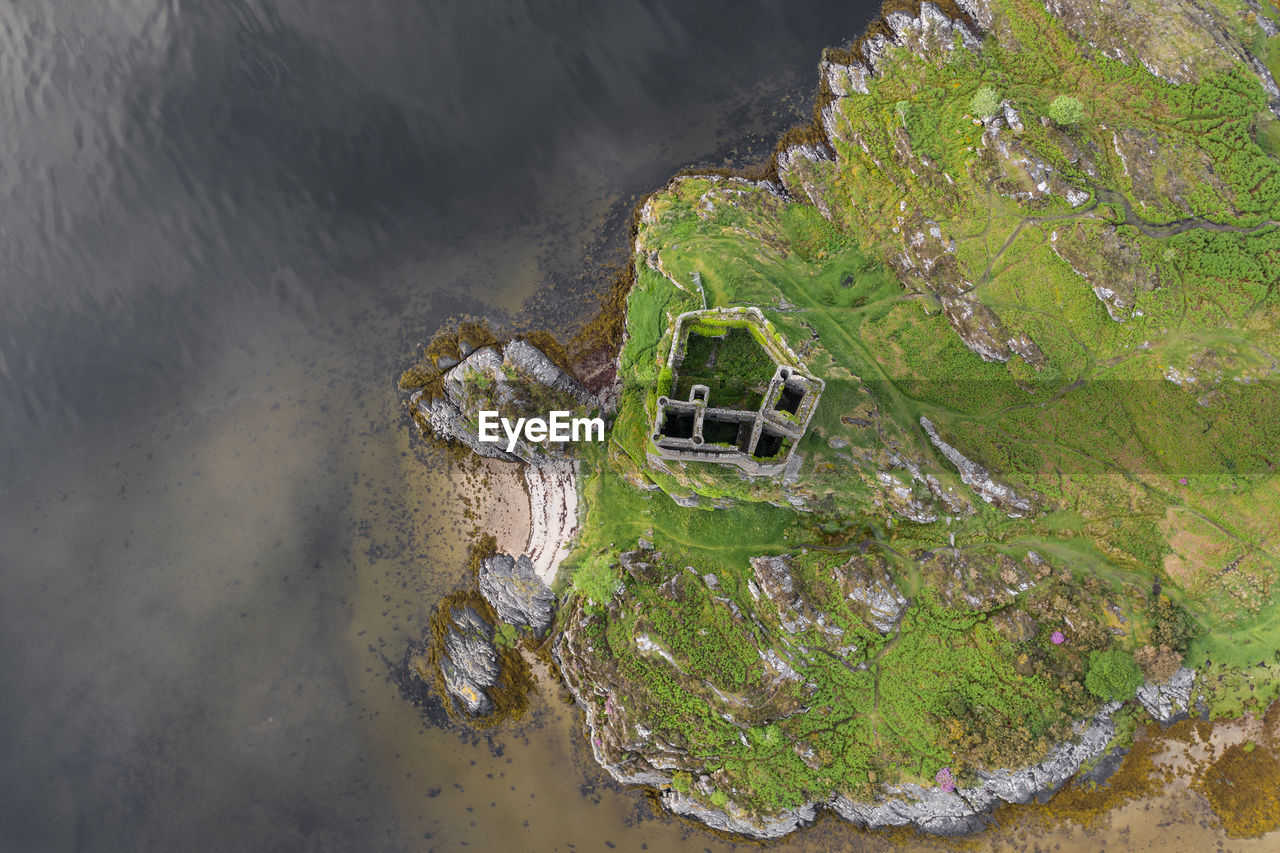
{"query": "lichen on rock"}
(516, 593)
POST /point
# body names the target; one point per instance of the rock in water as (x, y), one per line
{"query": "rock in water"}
(514, 590)
(469, 662)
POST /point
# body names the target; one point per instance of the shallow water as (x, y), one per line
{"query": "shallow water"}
(224, 227)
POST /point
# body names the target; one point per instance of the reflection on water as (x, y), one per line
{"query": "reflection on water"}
(224, 226)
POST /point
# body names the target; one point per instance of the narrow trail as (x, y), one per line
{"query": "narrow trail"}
(1178, 226)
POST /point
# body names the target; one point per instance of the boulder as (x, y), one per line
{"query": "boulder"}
(516, 593)
(469, 662)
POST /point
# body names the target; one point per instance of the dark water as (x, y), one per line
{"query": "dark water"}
(223, 227)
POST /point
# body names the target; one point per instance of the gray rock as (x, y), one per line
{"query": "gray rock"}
(795, 169)
(904, 501)
(931, 32)
(525, 356)
(768, 826)
(469, 663)
(634, 755)
(1268, 26)
(446, 415)
(1011, 117)
(879, 594)
(937, 812)
(977, 477)
(931, 810)
(514, 590)
(1168, 700)
(445, 420)
(845, 80)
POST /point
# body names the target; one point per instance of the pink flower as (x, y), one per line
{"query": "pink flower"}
(1183, 481)
(945, 780)
(1057, 638)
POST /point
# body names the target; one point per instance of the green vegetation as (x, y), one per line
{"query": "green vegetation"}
(985, 103)
(1113, 675)
(1086, 307)
(505, 635)
(596, 580)
(729, 361)
(1066, 110)
(741, 357)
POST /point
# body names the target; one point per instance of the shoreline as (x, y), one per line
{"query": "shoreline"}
(552, 493)
(499, 500)
(528, 509)
(967, 811)
(549, 497)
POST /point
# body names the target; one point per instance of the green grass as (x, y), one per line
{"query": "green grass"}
(1138, 483)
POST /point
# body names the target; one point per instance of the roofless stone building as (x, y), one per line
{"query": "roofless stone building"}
(732, 393)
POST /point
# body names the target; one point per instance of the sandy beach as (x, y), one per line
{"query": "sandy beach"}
(529, 509)
(553, 514)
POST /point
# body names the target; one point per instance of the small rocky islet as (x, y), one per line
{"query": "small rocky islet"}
(1027, 254)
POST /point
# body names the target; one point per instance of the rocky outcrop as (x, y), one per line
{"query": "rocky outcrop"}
(525, 357)
(1112, 267)
(930, 31)
(871, 586)
(788, 627)
(795, 168)
(469, 661)
(845, 79)
(903, 500)
(1181, 41)
(916, 509)
(1018, 172)
(796, 614)
(516, 593)
(938, 812)
(931, 810)
(1178, 40)
(977, 477)
(740, 823)
(503, 378)
(1169, 700)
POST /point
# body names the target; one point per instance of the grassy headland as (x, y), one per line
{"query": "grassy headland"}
(1067, 265)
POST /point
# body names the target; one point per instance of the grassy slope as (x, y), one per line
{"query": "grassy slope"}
(1138, 479)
